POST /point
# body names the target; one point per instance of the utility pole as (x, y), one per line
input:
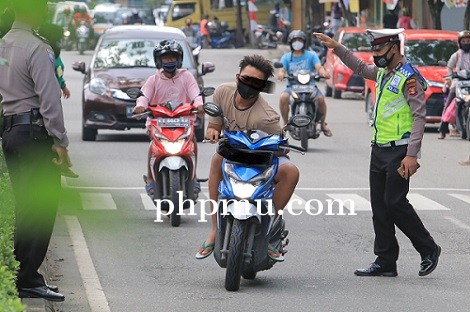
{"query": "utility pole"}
(239, 32)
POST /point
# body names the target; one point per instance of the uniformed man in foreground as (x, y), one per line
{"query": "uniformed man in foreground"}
(400, 117)
(34, 142)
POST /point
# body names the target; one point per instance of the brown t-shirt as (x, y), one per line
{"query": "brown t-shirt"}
(260, 116)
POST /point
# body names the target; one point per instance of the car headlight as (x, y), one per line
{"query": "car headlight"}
(303, 78)
(173, 147)
(98, 86)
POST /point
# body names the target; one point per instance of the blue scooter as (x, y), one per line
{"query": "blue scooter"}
(246, 226)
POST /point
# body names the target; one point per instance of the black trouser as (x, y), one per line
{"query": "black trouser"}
(390, 207)
(444, 127)
(36, 184)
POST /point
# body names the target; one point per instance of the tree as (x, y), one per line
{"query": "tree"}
(435, 6)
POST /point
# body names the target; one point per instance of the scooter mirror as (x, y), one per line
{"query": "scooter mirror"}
(277, 65)
(134, 93)
(207, 91)
(300, 120)
(212, 109)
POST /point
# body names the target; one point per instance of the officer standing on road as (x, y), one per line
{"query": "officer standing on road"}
(34, 142)
(400, 117)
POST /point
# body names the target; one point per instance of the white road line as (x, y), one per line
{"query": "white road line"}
(130, 188)
(458, 223)
(147, 202)
(420, 202)
(465, 198)
(98, 201)
(95, 295)
(350, 199)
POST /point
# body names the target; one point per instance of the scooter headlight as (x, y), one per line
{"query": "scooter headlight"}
(173, 147)
(245, 190)
(303, 78)
(66, 33)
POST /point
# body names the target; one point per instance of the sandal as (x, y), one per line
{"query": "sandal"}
(200, 256)
(326, 131)
(149, 186)
(272, 252)
(441, 136)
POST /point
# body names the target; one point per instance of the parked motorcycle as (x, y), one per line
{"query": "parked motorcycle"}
(83, 37)
(221, 38)
(303, 102)
(266, 38)
(246, 225)
(172, 148)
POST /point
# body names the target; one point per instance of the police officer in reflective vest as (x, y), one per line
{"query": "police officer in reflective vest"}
(34, 142)
(400, 117)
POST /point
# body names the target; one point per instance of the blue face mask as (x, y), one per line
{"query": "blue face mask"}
(169, 67)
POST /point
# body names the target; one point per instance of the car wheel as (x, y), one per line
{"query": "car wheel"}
(200, 131)
(89, 134)
(328, 90)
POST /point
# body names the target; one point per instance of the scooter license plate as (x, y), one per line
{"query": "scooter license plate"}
(180, 122)
(304, 88)
(129, 111)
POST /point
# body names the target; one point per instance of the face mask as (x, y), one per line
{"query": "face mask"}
(246, 92)
(382, 60)
(169, 67)
(465, 47)
(297, 45)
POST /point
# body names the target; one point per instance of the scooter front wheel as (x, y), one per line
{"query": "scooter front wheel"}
(175, 186)
(235, 256)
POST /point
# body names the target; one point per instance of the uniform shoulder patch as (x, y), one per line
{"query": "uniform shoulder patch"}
(51, 55)
(406, 70)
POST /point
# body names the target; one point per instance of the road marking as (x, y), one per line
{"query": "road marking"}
(458, 223)
(95, 295)
(420, 202)
(147, 202)
(98, 201)
(359, 202)
(465, 198)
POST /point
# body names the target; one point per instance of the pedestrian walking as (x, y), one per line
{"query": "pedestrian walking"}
(34, 142)
(396, 143)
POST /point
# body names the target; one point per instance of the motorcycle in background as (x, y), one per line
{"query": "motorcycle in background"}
(172, 148)
(83, 37)
(266, 38)
(221, 38)
(67, 41)
(246, 225)
(303, 102)
(316, 45)
(462, 96)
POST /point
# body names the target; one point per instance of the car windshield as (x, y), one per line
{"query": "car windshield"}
(356, 42)
(429, 52)
(127, 53)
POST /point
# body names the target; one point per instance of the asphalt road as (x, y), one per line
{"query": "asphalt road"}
(126, 262)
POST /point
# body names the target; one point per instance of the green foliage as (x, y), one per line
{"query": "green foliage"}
(9, 300)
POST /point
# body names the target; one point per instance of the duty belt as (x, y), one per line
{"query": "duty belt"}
(16, 120)
(393, 143)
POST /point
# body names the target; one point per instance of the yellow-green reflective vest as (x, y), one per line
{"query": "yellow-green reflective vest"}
(393, 118)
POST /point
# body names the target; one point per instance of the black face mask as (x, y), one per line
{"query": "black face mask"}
(246, 92)
(382, 60)
(169, 67)
(465, 47)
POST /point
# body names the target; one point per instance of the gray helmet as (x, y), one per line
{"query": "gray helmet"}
(296, 34)
(463, 34)
(168, 47)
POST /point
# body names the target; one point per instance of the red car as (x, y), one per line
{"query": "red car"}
(423, 48)
(343, 78)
